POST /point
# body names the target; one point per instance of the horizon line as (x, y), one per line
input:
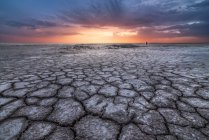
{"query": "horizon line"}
(37, 43)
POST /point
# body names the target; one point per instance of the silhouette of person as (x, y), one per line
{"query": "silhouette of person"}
(146, 43)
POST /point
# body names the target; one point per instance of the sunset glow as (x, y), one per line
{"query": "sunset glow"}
(105, 21)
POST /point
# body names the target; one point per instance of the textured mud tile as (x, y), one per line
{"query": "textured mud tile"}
(108, 90)
(16, 93)
(128, 77)
(127, 93)
(98, 82)
(146, 88)
(61, 133)
(122, 100)
(194, 119)
(136, 83)
(106, 75)
(80, 83)
(10, 129)
(20, 85)
(96, 103)
(197, 102)
(64, 81)
(58, 73)
(4, 86)
(161, 87)
(203, 93)
(47, 102)
(149, 81)
(184, 107)
(124, 85)
(205, 130)
(140, 103)
(95, 128)
(42, 84)
(152, 123)
(45, 92)
(37, 130)
(4, 100)
(81, 76)
(51, 78)
(147, 95)
(138, 106)
(180, 79)
(32, 100)
(166, 137)
(172, 116)
(108, 69)
(166, 94)
(34, 83)
(66, 92)
(71, 75)
(186, 133)
(165, 82)
(66, 111)
(80, 95)
(204, 113)
(33, 112)
(132, 132)
(113, 79)
(8, 109)
(90, 89)
(162, 101)
(30, 78)
(157, 78)
(172, 91)
(117, 112)
(186, 90)
(68, 70)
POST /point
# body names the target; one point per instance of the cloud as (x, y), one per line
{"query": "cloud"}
(191, 29)
(156, 18)
(34, 24)
(136, 13)
(100, 13)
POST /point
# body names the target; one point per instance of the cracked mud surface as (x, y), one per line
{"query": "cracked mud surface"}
(104, 93)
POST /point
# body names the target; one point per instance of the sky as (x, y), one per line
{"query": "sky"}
(104, 21)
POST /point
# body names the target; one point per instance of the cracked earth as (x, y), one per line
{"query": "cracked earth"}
(104, 92)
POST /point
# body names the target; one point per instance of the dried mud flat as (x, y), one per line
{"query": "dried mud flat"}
(108, 92)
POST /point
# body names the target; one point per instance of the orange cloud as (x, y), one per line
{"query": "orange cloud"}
(79, 34)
